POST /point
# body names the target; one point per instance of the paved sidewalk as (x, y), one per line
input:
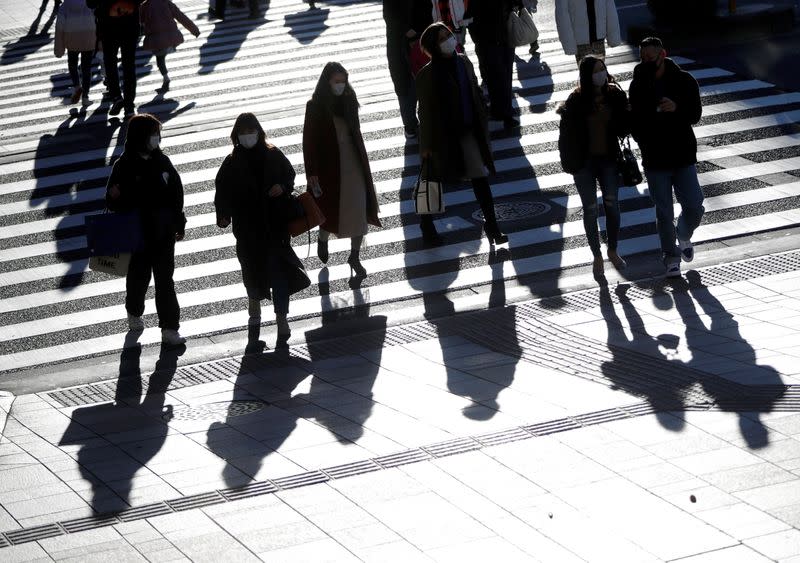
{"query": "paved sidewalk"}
(637, 422)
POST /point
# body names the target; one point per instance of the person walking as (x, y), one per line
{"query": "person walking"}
(118, 25)
(454, 135)
(144, 181)
(593, 119)
(161, 33)
(532, 6)
(452, 13)
(219, 10)
(585, 26)
(489, 31)
(76, 34)
(337, 166)
(405, 20)
(665, 103)
(253, 192)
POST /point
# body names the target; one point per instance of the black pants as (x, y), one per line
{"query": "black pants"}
(497, 67)
(85, 80)
(400, 70)
(158, 260)
(125, 42)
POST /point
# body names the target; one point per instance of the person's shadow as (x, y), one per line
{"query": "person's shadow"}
(765, 380)
(66, 201)
(223, 43)
(16, 51)
(366, 372)
(110, 469)
(632, 357)
(305, 27)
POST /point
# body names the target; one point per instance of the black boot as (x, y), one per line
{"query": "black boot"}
(354, 260)
(429, 235)
(483, 193)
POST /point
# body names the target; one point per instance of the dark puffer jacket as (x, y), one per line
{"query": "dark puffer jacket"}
(666, 138)
(573, 138)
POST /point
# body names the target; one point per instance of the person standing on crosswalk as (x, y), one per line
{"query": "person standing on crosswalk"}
(405, 20)
(144, 180)
(337, 166)
(161, 33)
(454, 134)
(585, 26)
(665, 101)
(77, 34)
(253, 186)
(593, 119)
(118, 26)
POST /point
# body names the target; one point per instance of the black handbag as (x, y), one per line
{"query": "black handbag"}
(627, 166)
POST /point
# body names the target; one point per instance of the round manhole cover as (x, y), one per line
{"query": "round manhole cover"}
(218, 411)
(516, 211)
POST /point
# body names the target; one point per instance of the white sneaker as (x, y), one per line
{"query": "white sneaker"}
(687, 250)
(172, 337)
(135, 323)
(674, 270)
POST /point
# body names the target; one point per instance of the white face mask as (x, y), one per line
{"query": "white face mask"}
(448, 46)
(338, 88)
(599, 78)
(153, 141)
(248, 141)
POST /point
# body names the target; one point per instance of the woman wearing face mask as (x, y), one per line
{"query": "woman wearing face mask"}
(593, 118)
(252, 191)
(144, 180)
(337, 167)
(454, 136)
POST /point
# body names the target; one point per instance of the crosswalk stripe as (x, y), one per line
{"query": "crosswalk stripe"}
(205, 105)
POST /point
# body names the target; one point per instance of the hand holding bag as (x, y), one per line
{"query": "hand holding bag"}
(428, 194)
(521, 29)
(311, 217)
(627, 167)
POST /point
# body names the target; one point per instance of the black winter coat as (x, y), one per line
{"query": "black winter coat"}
(108, 22)
(666, 139)
(402, 15)
(573, 137)
(153, 188)
(260, 222)
(490, 20)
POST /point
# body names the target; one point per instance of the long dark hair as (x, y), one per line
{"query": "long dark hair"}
(140, 127)
(248, 120)
(585, 85)
(347, 103)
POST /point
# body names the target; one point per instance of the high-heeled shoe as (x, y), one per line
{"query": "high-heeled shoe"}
(495, 236)
(322, 250)
(356, 266)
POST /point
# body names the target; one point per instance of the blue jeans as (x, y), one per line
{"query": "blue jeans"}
(603, 171)
(689, 196)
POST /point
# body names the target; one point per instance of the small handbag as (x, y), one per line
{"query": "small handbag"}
(311, 216)
(113, 233)
(627, 166)
(428, 195)
(521, 29)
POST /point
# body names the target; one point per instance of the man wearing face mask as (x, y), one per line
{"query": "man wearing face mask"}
(665, 101)
(145, 181)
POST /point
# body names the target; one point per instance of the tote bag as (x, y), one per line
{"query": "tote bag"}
(521, 29)
(113, 233)
(428, 195)
(114, 264)
(311, 217)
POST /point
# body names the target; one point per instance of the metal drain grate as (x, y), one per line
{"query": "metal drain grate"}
(452, 447)
(3, 541)
(196, 501)
(502, 437)
(402, 458)
(301, 480)
(89, 523)
(352, 469)
(146, 511)
(218, 411)
(251, 490)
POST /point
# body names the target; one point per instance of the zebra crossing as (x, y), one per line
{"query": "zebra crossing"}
(54, 163)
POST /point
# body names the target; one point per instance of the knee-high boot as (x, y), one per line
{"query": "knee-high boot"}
(483, 193)
(354, 259)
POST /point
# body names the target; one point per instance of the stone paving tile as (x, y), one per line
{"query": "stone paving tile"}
(321, 550)
(45, 506)
(772, 496)
(327, 455)
(788, 514)
(739, 554)
(395, 552)
(748, 477)
(199, 538)
(496, 549)
(103, 544)
(613, 502)
(27, 552)
(779, 545)
(716, 460)
(741, 521)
